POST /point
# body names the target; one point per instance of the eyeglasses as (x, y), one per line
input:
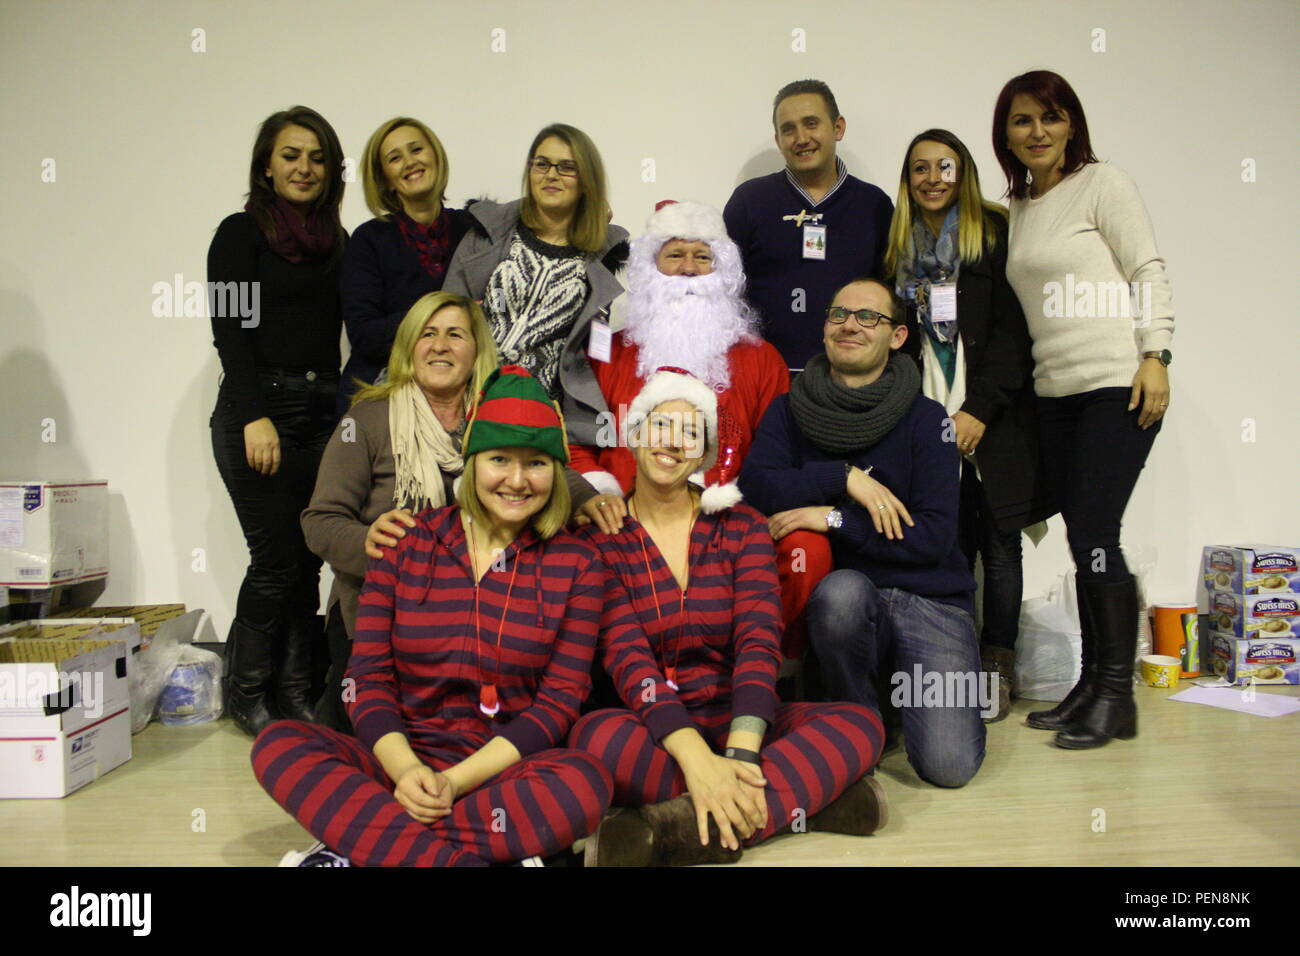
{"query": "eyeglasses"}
(867, 318)
(565, 167)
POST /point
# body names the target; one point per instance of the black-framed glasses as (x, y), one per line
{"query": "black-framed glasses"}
(565, 167)
(867, 318)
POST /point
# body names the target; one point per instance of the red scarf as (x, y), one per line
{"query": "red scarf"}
(297, 241)
(432, 243)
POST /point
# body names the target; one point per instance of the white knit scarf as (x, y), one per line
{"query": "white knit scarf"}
(422, 450)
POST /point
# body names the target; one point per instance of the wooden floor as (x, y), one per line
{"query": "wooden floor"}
(1200, 786)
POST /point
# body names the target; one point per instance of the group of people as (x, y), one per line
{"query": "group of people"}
(583, 497)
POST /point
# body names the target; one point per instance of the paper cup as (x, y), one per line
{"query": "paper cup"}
(1173, 634)
(1161, 670)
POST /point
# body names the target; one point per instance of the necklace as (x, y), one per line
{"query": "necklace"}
(488, 701)
(670, 670)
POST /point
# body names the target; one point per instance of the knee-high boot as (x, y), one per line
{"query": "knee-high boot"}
(300, 636)
(250, 674)
(1068, 710)
(1111, 710)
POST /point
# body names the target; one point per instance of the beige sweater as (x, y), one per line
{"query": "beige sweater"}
(1072, 258)
(354, 486)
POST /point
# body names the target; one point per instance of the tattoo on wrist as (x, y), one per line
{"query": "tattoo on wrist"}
(748, 724)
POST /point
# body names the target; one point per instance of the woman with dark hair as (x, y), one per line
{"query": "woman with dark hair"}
(474, 642)
(275, 406)
(543, 267)
(1083, 261)
(401, 254)
(948, 254)
(705, 757)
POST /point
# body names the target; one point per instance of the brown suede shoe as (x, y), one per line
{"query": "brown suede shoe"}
(860, 810)
(660, 834)
(1003, 662)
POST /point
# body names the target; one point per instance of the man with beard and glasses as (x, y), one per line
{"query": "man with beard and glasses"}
(685, 309)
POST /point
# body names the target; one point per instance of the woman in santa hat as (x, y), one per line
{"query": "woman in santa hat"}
(694, 651)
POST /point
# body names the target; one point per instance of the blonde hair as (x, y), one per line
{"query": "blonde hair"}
(381, 199)
(547, 522)
(975, 234)
(589, 226)
(401, 366)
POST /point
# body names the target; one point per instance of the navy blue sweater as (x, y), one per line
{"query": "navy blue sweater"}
(784, 470)
(856, 215)
(382, 278)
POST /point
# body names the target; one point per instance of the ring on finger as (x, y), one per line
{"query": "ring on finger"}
(880, 507)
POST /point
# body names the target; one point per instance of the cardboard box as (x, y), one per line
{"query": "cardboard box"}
(53, 532)
(169, 620)
(1264, 661)
(76, 629)
(1251, 569)
(64, 713)
(1255, 615)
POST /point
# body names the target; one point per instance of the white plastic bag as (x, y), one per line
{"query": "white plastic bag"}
(1047, 650)
(147, 673)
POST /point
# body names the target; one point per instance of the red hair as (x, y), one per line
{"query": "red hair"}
(1053, 92)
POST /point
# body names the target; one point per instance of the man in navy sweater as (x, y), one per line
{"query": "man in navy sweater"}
(805, 231)
(856, 452)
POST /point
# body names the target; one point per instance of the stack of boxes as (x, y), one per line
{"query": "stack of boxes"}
(1252, 609)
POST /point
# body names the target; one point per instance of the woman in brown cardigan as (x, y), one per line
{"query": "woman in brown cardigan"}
(395, 453)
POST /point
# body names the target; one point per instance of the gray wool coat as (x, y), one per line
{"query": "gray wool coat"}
(483, 249)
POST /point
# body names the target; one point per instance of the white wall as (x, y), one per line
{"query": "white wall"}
(151, 144)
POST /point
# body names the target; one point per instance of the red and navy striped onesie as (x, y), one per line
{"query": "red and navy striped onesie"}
(725, 647)
(418, 667)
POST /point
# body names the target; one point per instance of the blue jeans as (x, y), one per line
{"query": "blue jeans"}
(861, 634)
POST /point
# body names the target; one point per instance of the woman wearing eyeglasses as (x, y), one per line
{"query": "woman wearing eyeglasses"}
(543, 266)
(1083, 261)
(948, 256)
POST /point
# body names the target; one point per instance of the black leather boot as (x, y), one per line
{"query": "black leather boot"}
(301, 636)
(249, 676)
(1111, 710)
(1067, 711)
(330, 710)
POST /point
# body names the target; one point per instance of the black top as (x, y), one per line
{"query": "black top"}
(382, 278)
(294, 326)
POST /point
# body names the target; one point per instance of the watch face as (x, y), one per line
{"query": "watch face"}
(1166, 356)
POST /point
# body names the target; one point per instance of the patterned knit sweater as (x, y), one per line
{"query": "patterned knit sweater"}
(532, 300)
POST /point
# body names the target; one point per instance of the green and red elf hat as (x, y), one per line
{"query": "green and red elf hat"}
(514, 411)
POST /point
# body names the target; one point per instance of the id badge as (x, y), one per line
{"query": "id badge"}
(814, 242)
(943, 302)
(598, 345)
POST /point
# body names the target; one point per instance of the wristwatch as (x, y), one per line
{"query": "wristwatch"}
(749, 756)
(1164, 356)
(834, 518)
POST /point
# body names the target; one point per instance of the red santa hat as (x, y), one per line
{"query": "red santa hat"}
(668, 384)
(693, 221)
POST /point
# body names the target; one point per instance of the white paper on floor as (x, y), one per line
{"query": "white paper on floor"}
(1233, 698)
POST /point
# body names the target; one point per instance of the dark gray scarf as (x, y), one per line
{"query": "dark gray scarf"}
(842, 421)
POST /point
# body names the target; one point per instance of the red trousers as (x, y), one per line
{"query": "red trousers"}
(338, 791)
(814, 752)
(803, 558)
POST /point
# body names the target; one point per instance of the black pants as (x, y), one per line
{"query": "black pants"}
(1092, 453)
(1004, 578)
(283, 577)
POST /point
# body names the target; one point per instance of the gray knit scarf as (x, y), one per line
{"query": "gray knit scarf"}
(842, 421)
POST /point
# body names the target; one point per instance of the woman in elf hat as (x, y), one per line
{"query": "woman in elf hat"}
(472, 654)
(702, 619)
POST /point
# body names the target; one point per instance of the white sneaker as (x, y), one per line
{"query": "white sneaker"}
(315, 855)
(532, 861)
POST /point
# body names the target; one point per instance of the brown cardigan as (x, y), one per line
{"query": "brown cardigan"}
(354, 486)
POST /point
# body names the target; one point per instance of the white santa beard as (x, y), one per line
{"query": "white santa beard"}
(688, 322)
